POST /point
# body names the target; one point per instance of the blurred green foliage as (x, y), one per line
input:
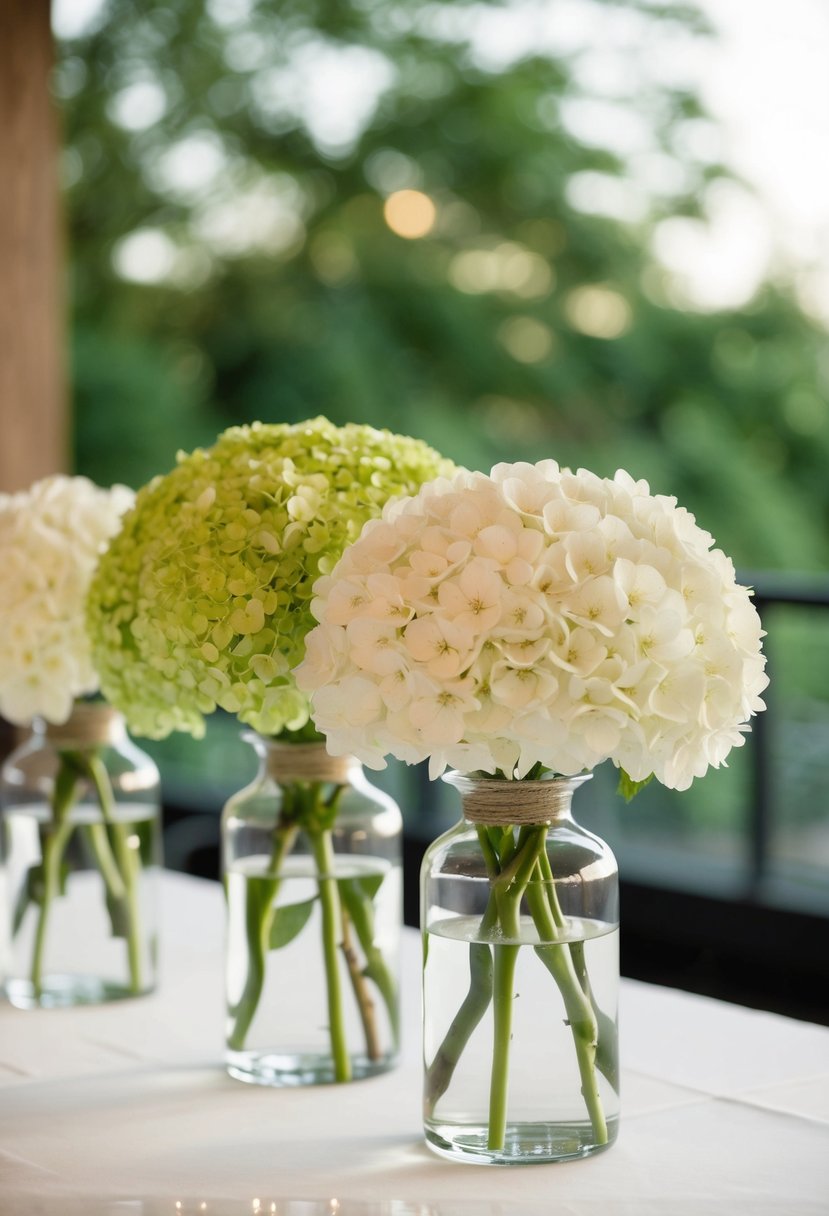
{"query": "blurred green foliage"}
(235, 155)
(286, 293)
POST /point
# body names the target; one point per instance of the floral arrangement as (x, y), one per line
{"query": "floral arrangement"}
(204, 599)
(51, 538)
(535, 617)
(530, 623)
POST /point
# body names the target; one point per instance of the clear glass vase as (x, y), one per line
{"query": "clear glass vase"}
(81, 849)
(519, 913)
(312, 871)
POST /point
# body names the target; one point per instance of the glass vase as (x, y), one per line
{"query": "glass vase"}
(519, 913)
(312, 871)
(81, 850)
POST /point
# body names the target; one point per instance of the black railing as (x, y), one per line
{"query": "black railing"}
(771, 591)
(754, 950)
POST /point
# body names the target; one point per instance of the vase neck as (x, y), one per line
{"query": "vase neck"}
(286, 762)
(503, 803)
(90, 724)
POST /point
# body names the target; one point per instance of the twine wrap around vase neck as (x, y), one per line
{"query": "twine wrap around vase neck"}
(496, 803)
(93, 724)
(287, 762)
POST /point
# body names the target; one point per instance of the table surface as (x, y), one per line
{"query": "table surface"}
(125, 1108)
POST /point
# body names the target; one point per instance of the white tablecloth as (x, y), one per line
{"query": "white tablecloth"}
(725, 1110)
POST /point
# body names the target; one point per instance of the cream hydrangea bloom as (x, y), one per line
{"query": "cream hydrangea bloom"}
(204, 599)
(51, 537)
(535, 615)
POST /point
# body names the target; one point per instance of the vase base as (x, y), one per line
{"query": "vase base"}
(283, 1069)
(64, 991)
(524, 1143)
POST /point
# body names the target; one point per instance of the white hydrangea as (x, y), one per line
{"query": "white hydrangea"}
(535, 616)
(50, 539)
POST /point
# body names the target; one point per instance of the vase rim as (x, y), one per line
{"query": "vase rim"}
(90, 724)
(457, 778)
(286, 760)
(254, 736)
(495, 801)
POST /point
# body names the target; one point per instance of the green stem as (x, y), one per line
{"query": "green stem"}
(550, 890)
(98, 841)
(583, 1026)
(260, 909)
(515, 868)
(359, 908)
(365, 1003)
(607, 1046)
(509, 866)
(509, 888)
(128, 864)
(475, 1004)
(55, 839)
(344, 906)
(323, 852)
(582, 1020)
(490, 856)
(506, 957)
(54, 845)
(607, 1051)
(512, 880)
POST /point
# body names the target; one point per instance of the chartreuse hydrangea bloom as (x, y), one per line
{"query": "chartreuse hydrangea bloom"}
(203, 600)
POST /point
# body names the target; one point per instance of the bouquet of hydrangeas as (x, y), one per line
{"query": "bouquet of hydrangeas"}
(51, 538)
(204, 601)
(530, 622)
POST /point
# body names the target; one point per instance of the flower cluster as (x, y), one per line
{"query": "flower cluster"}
(535, 616)
(204, 599)
(51, 537)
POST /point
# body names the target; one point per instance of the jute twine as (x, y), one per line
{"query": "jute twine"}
(500, 803)
(92, 725)
(307, 762)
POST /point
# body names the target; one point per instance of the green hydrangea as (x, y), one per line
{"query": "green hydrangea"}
(203, 599)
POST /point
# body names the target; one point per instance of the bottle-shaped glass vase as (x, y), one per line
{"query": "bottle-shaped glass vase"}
(80, 843)
(519, 911)
(312, 869)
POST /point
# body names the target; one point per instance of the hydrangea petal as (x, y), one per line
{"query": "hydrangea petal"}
(615, 632)
(207, 597)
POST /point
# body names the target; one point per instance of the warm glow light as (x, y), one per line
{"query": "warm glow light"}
(410, 213)
(598, 312)
(506, 267)
(526, 339)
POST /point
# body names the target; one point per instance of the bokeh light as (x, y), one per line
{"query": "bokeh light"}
(410, 213)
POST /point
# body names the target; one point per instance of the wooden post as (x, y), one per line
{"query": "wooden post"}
(33, 411)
